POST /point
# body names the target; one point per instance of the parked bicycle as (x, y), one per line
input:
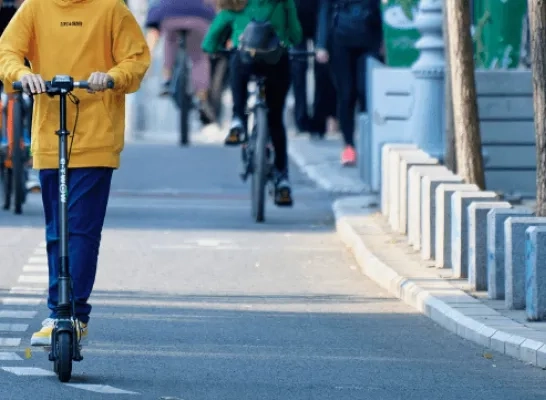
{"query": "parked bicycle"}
(15, 150)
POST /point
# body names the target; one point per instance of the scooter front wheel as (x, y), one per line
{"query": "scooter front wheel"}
(63, 358)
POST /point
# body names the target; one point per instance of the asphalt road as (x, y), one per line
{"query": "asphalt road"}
(194, 301)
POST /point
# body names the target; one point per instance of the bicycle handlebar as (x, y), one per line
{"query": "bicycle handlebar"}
(61, 83)
(291, 53)
(301, 53)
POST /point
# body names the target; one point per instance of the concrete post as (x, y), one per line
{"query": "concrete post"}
(428, 113)
(535, 273)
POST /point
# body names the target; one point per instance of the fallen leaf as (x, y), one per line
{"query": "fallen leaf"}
(489, 356)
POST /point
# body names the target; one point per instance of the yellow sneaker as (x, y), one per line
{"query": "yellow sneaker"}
(82, 331)
(43, 336)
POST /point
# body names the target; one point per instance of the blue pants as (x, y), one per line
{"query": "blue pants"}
(349, 68)
(88, 191)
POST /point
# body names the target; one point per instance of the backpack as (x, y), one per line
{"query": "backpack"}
(357, 23)
(259, 42)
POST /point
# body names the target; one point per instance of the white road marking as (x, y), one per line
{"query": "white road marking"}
(37, 260)
(100, 388)
(10, 357)
(210, 242)
(18, 314)
(188, 246)
(10, 342)
(20, 301)
(118, 204)
(42, 244)
(28, 371)
(41, 251)
(36, 268)
(195, 246)
(33, 279)
(13, 327)
(27, 290)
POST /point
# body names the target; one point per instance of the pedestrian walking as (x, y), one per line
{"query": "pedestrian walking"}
(349, 31)
(324, 98)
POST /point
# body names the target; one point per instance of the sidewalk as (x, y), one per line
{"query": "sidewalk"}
(319, 160)
(386, 258)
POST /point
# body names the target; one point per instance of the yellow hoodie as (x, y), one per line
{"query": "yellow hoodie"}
(76, 38)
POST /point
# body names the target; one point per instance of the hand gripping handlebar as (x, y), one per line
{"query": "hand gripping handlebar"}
(61, 83)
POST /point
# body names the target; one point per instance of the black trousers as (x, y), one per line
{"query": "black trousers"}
(349, 70)
(276, 88)
(324, 102)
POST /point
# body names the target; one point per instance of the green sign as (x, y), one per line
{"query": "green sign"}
(399, 32)
(498, 32)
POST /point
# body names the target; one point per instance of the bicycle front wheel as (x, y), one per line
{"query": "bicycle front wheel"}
(259, 170)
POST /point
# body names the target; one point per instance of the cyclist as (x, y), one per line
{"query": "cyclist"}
(95, 40)
(168, 17)
(237, 14)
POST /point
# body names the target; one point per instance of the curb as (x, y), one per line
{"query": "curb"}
(525, 349)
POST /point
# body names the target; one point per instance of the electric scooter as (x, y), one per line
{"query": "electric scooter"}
(65, 338)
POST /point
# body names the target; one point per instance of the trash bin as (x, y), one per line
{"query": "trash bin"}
(399, 32)
(498, 34)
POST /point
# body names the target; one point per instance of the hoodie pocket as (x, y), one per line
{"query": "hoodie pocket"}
(93, 129)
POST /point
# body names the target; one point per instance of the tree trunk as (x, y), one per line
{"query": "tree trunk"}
(537, 22)
(450, 152)
(463, 85)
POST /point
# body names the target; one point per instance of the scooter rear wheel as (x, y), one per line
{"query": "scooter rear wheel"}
(63, 358)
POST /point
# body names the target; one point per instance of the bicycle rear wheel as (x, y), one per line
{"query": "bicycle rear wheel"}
(259, 161)
(217, 85)
(184, 98)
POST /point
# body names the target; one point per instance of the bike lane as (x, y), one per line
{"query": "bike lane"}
(195, 301)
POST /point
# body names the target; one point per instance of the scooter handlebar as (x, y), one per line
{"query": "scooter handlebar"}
(18, 85)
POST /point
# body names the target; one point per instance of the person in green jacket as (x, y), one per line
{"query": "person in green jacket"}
(235, 15)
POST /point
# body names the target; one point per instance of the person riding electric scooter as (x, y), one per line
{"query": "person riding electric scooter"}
(102, 42)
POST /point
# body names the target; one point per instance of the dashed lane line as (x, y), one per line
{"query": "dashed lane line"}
(10, 342)
(20, 301)
(38, 260)
(18, 314)
(35, 275)
(37, 372)
(13, 327)
(10, 356)
(33, 279)
(27, 290)
(106, 389)
(35, 268)
(28, 371)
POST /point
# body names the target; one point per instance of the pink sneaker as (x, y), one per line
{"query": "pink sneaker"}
(348, 157)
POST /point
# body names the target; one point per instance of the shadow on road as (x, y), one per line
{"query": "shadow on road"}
(302, 346)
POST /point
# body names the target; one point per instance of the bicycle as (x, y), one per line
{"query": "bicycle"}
(15, 149)
(258, 154)
(65, 343)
